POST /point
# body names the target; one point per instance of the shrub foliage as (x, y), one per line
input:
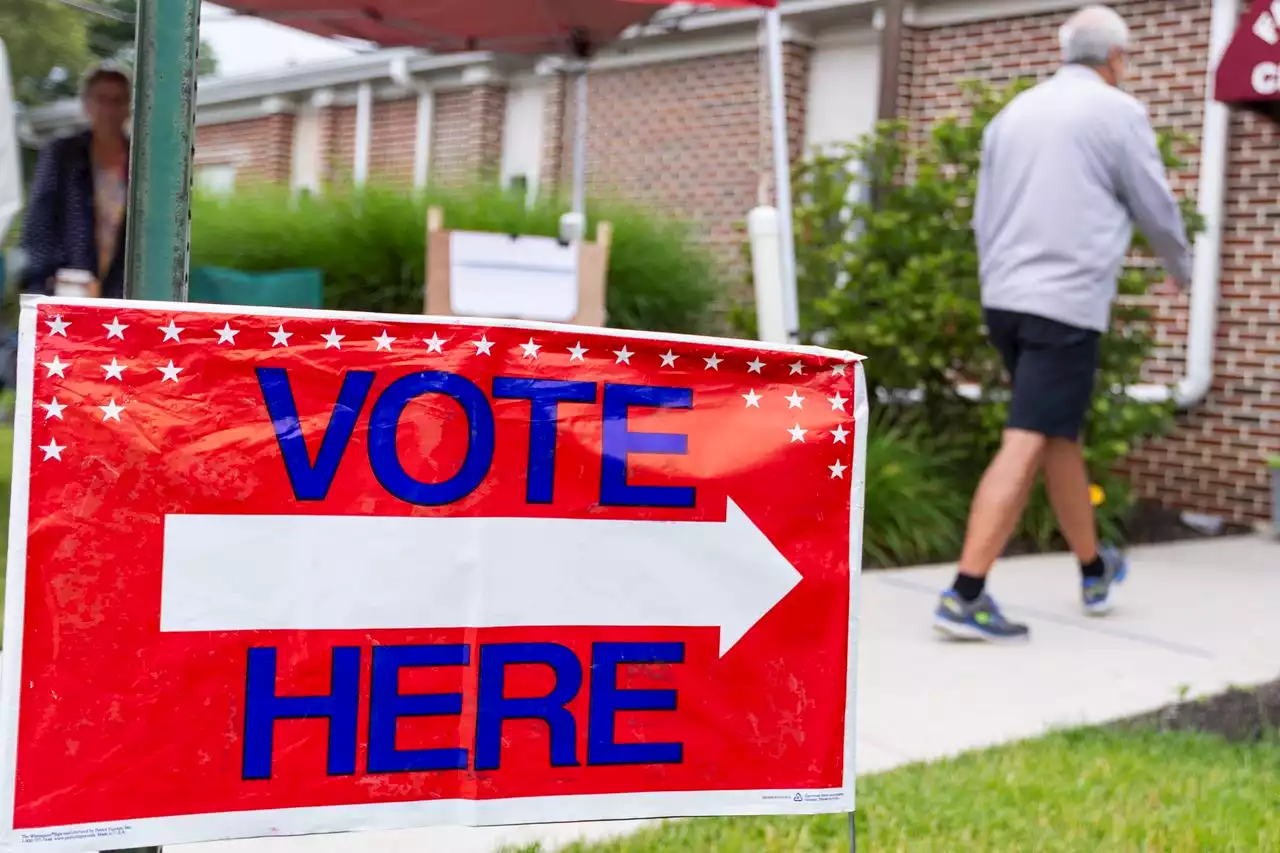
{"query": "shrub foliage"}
(370, 243)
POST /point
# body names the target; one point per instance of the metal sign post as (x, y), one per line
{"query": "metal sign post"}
(157, 235)
(158, 226)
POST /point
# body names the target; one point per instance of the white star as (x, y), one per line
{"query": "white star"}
(114, 370)
(797, 434)
(111, 411)
(668, 358)
(170, 372)
(484, 346)
(435, 343)
(624, 355)
(115, 329)
(755, 365)
(530, 349)
(53, 409)
(837, 470)
(58, 326)
(795, 401)
(837, 402)
(383, 341)
(53, 450)
(713, 363)
(56, 367)
(797, 367)
(171, 332)
(577, 351)
(227, 335)
(280, 338)
(838, 370)
(752, 398)
(333, 340)
(840, 434)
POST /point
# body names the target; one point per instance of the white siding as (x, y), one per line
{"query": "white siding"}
(522, 133)
(844, 84)
(306, 150)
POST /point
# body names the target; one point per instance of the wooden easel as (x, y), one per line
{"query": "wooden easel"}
(593, 267)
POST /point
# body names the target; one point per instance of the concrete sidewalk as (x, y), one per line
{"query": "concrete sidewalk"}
(1196, 616)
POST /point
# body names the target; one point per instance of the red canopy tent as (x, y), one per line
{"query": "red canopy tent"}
(572, 27)
(576, 29)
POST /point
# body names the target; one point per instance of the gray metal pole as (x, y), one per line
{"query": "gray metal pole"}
(158, 227)
(782, 173)
(580, 138)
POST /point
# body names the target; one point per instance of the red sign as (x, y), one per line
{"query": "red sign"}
(1249, 71)
(288, 572)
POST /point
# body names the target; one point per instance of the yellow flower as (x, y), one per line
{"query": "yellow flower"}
(1096, 496)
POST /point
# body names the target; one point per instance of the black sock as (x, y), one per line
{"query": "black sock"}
(1095, 569)
(969, 587)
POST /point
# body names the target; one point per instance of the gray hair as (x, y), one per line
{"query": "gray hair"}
(1091, 34)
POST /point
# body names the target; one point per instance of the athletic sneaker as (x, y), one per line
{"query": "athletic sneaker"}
(1096, 592)
(977, 620)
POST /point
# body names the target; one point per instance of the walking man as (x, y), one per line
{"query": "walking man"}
(1067, 168)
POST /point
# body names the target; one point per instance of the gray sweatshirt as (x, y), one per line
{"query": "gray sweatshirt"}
(1067, 168)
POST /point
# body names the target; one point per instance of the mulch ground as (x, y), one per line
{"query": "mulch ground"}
(1151, 524)
(1241, 715)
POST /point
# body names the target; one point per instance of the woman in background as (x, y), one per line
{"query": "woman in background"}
(75, 214)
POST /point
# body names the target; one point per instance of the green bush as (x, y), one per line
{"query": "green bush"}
(370, 245)
(915, 512)
(898, 282)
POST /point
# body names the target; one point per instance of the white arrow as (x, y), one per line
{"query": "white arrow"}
(307, 572)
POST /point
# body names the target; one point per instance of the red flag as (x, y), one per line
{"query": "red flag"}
(1249, 71)
(304, 571)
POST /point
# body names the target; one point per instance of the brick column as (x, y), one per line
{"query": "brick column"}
(277, 162)
(554, 162)
(466, 135)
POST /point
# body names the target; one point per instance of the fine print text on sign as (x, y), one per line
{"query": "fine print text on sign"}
(279, 572)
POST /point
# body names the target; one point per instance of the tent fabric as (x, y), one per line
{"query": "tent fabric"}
(574, 27)
(1248, 72)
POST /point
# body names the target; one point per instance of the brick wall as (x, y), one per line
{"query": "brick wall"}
(466, 133)
(339, 157)
(1213, 460)
(261, 149)
(391, 141)
(689, 138)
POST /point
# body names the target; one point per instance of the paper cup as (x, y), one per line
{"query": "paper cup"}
(73, 283)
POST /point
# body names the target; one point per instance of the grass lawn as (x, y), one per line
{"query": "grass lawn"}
(1085, 790)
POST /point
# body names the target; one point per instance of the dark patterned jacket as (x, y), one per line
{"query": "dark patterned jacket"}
(58, 229)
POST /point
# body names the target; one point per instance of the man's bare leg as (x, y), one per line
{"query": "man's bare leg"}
(1000, 499)
(964, 611)
(1067, 482)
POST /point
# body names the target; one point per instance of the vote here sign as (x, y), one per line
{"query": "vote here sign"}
(278, 572)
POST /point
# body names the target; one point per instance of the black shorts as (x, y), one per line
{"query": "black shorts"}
(1052, 366)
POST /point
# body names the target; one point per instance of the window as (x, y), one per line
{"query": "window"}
(216, 178)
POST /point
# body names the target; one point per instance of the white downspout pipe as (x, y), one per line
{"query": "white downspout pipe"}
(401, 76)
(1207, 264)
(364, 129)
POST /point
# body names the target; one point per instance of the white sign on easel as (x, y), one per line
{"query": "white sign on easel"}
(481, 274)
